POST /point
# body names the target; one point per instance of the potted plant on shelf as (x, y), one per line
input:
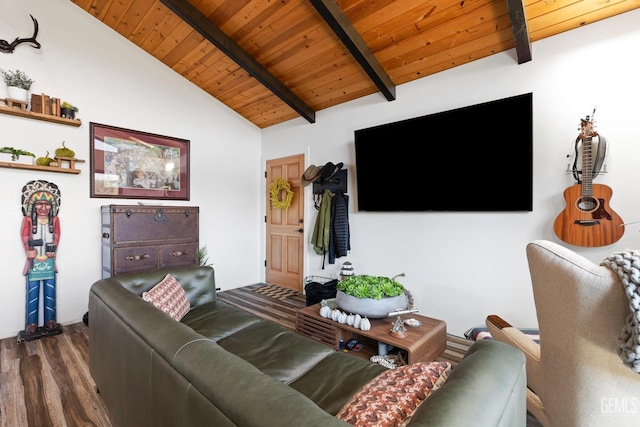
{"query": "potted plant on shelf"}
(10, 154)
(372, 296)
(67, 110)
(18, 84)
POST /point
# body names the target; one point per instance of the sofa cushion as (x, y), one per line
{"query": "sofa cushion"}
(276, 350)
(216, 320)
(335, 379)
(391, 398)
(169, 296)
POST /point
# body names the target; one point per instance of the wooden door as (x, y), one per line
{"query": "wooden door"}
(285, 227)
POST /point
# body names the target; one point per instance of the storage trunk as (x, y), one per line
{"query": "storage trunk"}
(145, 238)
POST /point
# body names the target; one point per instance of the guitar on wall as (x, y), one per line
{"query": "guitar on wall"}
(588, 220)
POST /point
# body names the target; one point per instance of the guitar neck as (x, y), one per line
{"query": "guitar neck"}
(587, 166)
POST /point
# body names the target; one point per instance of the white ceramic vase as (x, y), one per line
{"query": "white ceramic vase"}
(370, 307)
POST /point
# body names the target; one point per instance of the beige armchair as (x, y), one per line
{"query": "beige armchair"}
(575, 377)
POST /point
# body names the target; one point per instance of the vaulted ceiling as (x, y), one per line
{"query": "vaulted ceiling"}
(275, 60)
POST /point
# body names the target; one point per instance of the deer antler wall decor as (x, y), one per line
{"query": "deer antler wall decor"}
(7, 47)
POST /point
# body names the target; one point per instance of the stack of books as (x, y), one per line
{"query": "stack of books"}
(45, 104)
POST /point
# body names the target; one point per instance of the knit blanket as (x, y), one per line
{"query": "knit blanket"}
(627, 265)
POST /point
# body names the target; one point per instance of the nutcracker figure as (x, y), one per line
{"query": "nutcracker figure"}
(40, 236)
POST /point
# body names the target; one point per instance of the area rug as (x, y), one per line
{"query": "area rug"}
(276, 292)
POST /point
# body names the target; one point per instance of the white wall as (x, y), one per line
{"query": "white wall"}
(113, 82)
(461, 267)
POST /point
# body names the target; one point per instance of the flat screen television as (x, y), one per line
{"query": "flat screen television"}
(477, 158)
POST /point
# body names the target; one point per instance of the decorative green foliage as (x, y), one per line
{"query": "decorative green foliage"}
(374, 287)
(15, 153)
(203, 259)
(16, 78)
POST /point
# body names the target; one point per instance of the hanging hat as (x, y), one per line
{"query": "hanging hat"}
(310, 175)
(329, 170)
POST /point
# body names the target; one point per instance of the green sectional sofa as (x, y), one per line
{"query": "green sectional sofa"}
(222, 366)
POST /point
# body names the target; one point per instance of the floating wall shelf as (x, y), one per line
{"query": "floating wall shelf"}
(59, 168)
(39, 116)
(70, 162)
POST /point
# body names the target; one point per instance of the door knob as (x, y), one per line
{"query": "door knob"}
(300, 230)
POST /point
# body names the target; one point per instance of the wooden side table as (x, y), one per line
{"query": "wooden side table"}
(424, 343)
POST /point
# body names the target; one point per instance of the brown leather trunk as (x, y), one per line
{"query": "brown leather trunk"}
(146, 238)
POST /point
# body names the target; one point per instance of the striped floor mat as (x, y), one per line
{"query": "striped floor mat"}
(275, 291)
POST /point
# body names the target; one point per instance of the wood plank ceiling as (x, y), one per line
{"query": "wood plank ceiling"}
(275, 60)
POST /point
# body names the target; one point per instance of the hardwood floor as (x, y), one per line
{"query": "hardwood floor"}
(46, 382)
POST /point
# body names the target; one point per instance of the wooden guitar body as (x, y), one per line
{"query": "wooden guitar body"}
(587, 219)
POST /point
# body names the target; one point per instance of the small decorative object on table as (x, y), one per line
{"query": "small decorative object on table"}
(389, 361)
(412, 323)
(398, 330)
(346, 270)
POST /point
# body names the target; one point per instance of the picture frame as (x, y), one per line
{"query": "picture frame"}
(131, 164)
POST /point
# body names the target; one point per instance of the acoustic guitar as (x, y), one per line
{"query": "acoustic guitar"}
(588, 220)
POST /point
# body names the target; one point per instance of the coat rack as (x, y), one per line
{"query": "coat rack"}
(337, 182)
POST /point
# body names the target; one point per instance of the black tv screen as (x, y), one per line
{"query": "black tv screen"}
(472, 159)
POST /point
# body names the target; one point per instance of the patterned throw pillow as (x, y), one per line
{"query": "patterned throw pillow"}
(391, 398)
(169, 297)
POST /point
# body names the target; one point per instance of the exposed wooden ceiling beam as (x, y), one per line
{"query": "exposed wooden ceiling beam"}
(520, 30)
(211, 32)
(335, 17)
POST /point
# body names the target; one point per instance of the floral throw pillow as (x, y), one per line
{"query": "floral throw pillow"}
(390, 399)
(169, 296)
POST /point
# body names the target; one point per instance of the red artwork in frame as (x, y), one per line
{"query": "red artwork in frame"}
(130, 164)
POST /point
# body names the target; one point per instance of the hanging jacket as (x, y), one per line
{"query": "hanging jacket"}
(321, 230)
(339, 237)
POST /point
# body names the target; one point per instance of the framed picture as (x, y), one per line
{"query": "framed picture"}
(129, 164)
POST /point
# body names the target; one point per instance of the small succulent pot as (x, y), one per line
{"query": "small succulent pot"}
(67, 113)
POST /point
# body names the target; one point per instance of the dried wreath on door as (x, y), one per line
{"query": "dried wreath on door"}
(281, 193)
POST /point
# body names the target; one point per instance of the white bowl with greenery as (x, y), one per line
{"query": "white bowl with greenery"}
(371, 296)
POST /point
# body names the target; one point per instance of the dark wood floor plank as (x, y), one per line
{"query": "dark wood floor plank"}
(71, 385)
(35, 399)
(11, 400)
